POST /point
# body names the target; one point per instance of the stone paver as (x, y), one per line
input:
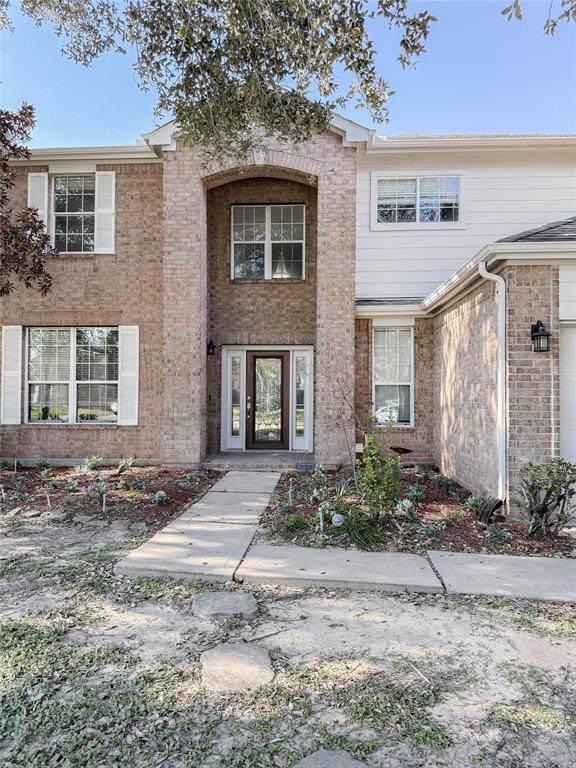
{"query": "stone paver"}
(237, 508)
(236, 667)
(217, 605)
(533, 578)
(237, 481)
(190, 549)
(393, 571)
(325, 759)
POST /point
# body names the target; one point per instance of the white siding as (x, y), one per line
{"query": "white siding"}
(568, 292)
(504, 193)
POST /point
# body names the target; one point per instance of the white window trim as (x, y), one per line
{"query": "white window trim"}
(71, 382)
(394, 323)
(267, 243)
(228, 442)
(377, 226)
(52, 204)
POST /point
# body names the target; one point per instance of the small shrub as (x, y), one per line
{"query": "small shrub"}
(101, 491)
(160, 497)
(452, 518)
(415, 494)
(379, 478)
(124, 465)
(93, 463)
(71, 485)
(477, 503)
(422, 470)
(290, 524)
(361, 531)
(318, 483)
(43, 465)
(124, 484)
(405, 507)
(444, 483)
(499, 534)
(429, 531)
(546, 492)
(138, 485)
(341, 487)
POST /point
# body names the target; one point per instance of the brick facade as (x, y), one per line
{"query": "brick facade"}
(533, 391)
(417, 439)
(124, 288)
(280, 312)
(159, 277)
(465, 392)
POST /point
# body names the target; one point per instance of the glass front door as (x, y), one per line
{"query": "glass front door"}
(267, 400)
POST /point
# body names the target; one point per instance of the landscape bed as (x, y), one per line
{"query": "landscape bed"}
(148, 496)
(445, 518)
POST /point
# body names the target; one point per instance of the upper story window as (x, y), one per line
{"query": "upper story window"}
(268, 242)
(414, 201)
(79, 209)
(74, 213)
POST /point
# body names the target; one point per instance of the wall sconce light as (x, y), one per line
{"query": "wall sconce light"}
(210, 348)
(540, 337)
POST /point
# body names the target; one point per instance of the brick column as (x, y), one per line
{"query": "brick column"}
(533, 378)
(335, 298)
(185, 306)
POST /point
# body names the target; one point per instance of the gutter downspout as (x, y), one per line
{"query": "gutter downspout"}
(501, 383)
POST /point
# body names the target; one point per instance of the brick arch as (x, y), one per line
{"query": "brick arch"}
(275, 164)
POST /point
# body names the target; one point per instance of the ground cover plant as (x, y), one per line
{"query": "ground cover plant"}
(414, 509)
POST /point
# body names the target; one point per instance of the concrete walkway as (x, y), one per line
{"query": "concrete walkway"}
(532, 578)
(212, 540)
(301, 566)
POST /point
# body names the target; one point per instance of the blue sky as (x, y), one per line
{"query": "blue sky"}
(480, 74)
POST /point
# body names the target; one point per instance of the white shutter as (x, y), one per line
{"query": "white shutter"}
(38, 194)
(128, 374)
(105, 212)
(10, 406)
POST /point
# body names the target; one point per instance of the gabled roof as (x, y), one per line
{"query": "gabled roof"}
(557, 232)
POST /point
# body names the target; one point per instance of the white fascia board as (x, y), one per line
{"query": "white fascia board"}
(162, 138)
(542, 253)
(113, 154)
(381, 144)
(351, 132)
(390, 310)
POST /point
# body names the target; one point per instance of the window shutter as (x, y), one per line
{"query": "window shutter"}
(105, 212)
(128, 375)
(11, 374)
(38, 194)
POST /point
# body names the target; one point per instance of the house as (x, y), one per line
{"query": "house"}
(277, 304)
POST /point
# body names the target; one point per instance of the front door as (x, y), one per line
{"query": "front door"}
(267, 400)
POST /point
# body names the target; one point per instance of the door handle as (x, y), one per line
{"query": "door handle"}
(248, 408)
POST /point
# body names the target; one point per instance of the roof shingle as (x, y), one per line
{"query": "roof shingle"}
(556, 232)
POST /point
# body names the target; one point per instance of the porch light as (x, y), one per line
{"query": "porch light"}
(540, 337)
(210, 348)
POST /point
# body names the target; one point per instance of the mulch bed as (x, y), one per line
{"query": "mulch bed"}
(444, 521)
(68, 492)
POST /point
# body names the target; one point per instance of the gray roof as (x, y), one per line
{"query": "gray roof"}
(557, 232)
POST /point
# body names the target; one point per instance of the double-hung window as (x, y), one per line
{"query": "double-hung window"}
(416, 200)
(393, 375)
(268, 242)
(72, 375)
(74, 213)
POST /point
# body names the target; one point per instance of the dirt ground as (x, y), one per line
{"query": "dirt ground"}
(96, 670)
